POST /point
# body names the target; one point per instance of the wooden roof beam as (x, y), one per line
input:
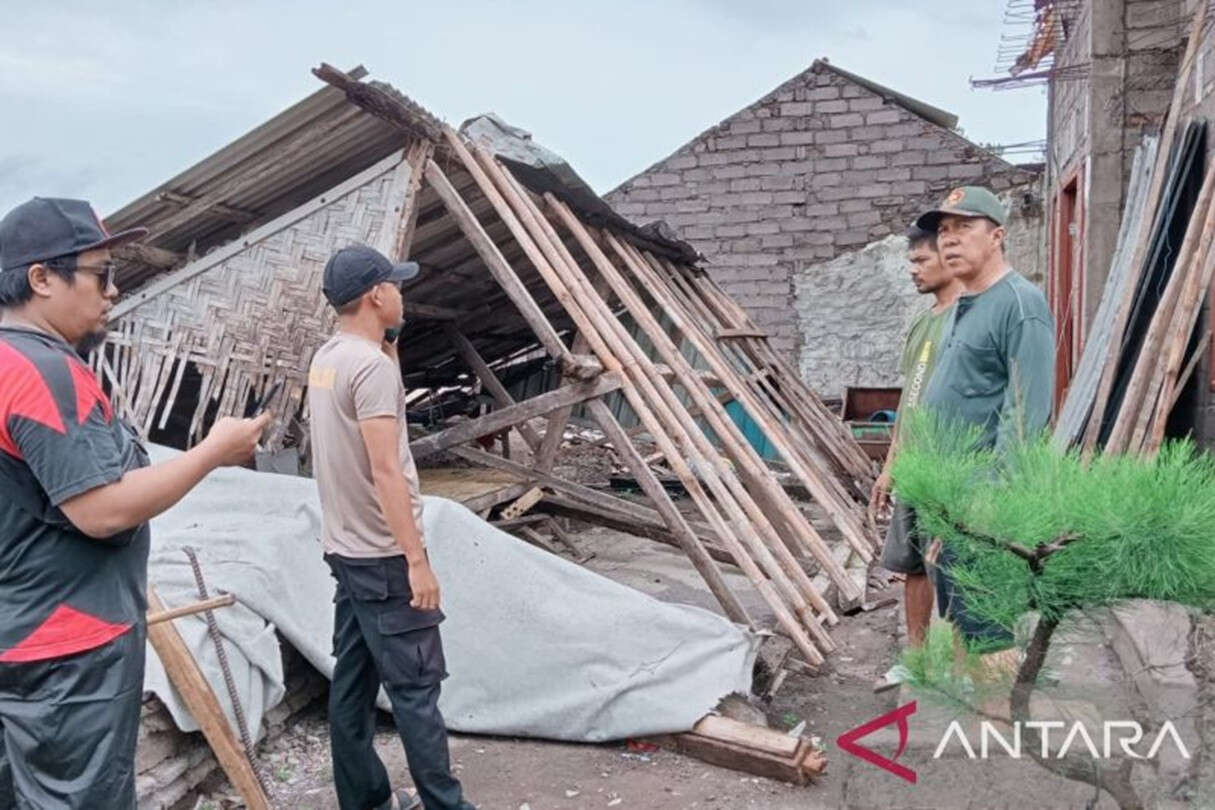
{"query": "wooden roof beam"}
(230, 212)
(394, 107)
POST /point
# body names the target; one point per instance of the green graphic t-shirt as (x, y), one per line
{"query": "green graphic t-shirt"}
(920, 355)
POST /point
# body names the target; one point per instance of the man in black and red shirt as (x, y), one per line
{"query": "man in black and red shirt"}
(77, 496)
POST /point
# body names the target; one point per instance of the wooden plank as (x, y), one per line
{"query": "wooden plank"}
(734, 334)
(489, 500)
(1148, 374)
(190, 609)
(238, 215)
(215, 257)
(553, 434)
(522, 520)
(204, 707)
(630, 510)
(1199, 351)
(398, 110)
(800, 769)
(1143, 240)
(563, 537)
(504, 418)
(528, 241)
(733, 731)
(419, 153)
(523, 503)
(147, 255)
(809, 415)
(813, 477)
(622, 521)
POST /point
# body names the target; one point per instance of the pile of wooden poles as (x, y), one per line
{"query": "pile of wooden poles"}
(750, 514)
(1142, 349)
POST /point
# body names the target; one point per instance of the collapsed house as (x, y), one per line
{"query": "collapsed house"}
(536, 304)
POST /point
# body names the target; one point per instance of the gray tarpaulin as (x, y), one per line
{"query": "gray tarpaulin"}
(536, 645)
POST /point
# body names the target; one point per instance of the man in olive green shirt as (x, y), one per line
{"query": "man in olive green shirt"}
(996, 369)
(904, 551)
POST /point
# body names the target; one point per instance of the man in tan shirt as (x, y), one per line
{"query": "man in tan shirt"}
(386, 609)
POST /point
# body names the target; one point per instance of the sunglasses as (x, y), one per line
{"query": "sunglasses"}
(105, 272)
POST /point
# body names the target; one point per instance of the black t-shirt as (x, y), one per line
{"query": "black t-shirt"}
(61, 592)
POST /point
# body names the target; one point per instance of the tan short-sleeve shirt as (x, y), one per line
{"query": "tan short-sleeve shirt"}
(351, 379)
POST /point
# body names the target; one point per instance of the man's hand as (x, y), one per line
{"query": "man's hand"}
(879, 497)
(232, 441)
(424, 585)
(934, 551)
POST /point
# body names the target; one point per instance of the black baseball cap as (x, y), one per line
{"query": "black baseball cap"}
(47, 228)
(354, 270)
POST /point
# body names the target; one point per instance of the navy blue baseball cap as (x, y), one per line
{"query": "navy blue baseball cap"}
(47, 228)
(354, 270)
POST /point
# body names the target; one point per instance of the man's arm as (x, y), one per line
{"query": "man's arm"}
(381, 437)
(141, 495)
(1026, 409)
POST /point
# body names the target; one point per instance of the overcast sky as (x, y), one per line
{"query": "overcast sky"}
(106, 101)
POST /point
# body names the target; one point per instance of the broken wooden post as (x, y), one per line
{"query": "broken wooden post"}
(204, 707)
(490, 380)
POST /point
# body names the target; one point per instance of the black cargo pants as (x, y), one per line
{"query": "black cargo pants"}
(68, 728)
(379, 639)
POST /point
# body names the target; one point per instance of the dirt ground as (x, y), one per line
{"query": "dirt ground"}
(516, 774)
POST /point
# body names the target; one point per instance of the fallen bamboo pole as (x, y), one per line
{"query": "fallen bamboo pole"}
(826, 429)
(723, 426)
(641, 396)
(568, 282)
(815, 480)
(825, 446)
(519, 295)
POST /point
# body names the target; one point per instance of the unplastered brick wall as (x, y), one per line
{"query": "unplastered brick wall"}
(820, 167)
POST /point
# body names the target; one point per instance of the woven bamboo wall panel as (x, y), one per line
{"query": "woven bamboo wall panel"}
(254, 318)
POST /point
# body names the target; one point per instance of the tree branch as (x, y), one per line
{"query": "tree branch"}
(1115, 781)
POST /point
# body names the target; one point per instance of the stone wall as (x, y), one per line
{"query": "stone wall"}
(818, 168)
(860, 343)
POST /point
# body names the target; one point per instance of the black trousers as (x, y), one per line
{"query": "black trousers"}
(379, 639)
(68, 728)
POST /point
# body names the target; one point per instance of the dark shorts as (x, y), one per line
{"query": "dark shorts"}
(980, 635)
(904, 550)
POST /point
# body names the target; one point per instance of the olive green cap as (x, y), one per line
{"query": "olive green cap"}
(965, 201)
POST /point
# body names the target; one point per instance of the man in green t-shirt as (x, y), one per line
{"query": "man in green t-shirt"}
(996, 369)
(904, 550)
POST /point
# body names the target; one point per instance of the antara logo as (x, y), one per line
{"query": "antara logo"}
(1127, 734)
(847, 741)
